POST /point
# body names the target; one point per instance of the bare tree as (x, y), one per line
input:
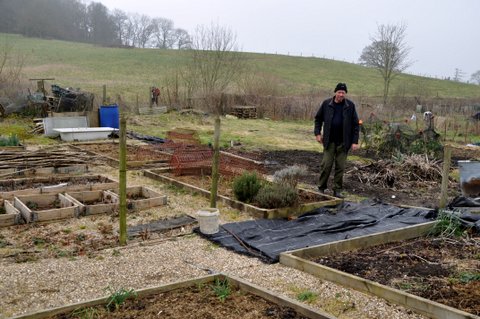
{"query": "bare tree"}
(100, 27)
(387, 53)
(476, 77)
(182, 39)
(120, 20)
(145, 29)
(11, 66)
(215, 60)
(163, 33)
(216, 63)
(138, 30)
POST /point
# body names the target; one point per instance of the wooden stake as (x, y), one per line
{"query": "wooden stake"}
(447, 154)
(104, 101)
(466, 130)
(123, 180)
(215, 164)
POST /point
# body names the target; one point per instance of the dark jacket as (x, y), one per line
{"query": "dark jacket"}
(350, 123)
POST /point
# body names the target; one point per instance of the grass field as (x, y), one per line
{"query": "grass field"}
(129, 72)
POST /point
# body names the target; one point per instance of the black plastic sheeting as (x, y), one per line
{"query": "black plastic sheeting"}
(159, 226)
(267, 238)
(462, 208)
(146, 138)
(461, 201)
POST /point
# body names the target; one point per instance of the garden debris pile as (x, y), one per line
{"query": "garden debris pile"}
(400, 174)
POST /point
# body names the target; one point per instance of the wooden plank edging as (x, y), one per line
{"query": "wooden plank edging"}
(237, 282)
(260, 212)
(295, 259)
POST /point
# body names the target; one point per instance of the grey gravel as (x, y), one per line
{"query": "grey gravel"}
(53, 282)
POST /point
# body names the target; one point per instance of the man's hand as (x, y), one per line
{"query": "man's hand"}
(319, 138)
(355, 147)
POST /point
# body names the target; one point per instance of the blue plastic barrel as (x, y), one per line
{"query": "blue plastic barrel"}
(109, 116)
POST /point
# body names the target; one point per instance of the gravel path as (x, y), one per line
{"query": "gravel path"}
(51, 282)
(47, 283)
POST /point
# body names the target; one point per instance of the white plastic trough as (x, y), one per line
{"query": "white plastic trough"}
(84, 133)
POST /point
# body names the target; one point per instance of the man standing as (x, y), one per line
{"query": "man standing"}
(339, 119)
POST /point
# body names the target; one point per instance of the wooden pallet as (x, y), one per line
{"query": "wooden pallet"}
(244, 112)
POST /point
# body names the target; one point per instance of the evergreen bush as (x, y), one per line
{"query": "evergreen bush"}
(277, 196)
(246, 186)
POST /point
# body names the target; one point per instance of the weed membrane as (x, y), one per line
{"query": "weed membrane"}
(267, 238)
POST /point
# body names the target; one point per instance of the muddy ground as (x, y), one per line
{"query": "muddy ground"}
(420, 194)
(202, 301)
(445, 270)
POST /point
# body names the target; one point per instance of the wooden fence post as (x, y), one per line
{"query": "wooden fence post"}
(123, 180)
(447, 155)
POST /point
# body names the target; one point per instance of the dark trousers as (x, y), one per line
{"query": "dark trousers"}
(333, 153)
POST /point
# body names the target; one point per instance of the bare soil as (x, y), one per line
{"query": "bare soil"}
(194, 302)
(440, 269)
(417, 194)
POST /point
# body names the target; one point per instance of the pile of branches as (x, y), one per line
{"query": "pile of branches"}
(412, 171)
(27, 160)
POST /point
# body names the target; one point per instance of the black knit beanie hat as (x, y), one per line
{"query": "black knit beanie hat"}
(341, 86)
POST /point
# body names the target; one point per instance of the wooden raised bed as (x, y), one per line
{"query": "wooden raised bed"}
(38, 208)
(94, 202)
(237, 283)
(53, 185)
(9, 214)
(299, 259)
(260, 212)
(100, 202)
(139, 197)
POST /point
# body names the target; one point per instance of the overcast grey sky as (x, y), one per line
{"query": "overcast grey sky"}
(443, 34)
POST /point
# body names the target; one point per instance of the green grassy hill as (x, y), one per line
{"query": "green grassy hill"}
(132, 71)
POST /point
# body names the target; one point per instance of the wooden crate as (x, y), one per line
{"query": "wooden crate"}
(140, 197)
(94, 202)
(38, 208)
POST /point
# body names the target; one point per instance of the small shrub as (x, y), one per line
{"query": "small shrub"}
(221, 288)
(290, 175)
(276, 196)
(467, 277)
(118, 297)
(307, 296)
(86, 313)
(448, 225)
(12, 140)
(246, 186)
